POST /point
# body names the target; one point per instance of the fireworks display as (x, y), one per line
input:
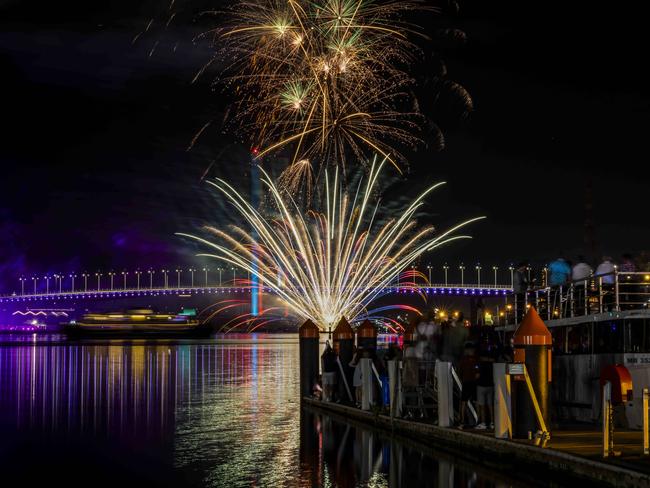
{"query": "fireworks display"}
(326, 264)
(323, 79)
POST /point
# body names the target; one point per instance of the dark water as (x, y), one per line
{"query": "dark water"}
(169, 413)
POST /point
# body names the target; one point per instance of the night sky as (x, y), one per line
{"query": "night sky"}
(95, 171)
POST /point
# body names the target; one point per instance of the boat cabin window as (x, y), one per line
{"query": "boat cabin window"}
(572, 339)
(637, 335)
(608, 337)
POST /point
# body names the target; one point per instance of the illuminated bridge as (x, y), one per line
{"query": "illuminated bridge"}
(453, 281)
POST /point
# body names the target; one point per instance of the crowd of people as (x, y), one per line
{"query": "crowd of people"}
(470, 349)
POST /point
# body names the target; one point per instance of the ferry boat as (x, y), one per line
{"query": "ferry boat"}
(143, 322)
(598, 322)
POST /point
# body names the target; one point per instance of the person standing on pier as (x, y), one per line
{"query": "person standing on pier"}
(485, 389)
(520, 288)
(469, 373)
(328, 365)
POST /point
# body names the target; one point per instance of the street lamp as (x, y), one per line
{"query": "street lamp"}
(495, 269)
(47, 285)
(512, 275)
(151, 272)
(429, 269)
(22, 285)
(98, 275)
(60, 276)
(233, 277)
(112, 275)
(35, 280)
(165, 280)
(137, 274)
(191, 270)
(478, 274)
(124, 273)
(462, 275)
(205, 270)
(85, 276)
(220, 276)
(178, 278)
(446, 268)
(72, 277)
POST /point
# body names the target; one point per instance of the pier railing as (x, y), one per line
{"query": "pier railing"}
(599, 293)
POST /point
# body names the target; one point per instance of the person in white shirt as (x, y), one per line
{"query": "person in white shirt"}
(580, 273)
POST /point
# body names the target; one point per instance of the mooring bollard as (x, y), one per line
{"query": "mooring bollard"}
(344, 348)
(309, 359)
(367, 337)
(532, 341)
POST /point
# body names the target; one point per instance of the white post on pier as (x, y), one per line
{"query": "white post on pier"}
(367, 386)
(445, 394)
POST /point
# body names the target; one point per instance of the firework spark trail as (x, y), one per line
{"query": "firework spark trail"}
(334, 263)
(326, 77)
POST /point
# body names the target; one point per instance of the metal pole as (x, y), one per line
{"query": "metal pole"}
(600, 294)
(446, 269)
(646, 435)
(607, 393)
(618, 304)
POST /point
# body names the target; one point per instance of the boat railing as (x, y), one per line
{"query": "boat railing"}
(599, 293)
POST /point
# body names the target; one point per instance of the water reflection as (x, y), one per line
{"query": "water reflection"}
(222, 412)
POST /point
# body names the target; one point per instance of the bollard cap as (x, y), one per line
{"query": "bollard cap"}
(367, 330)
(343, 331)
(532, 331)
(308, 330)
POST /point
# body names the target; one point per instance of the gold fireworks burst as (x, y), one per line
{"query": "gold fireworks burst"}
(326, 264)
(325, 79)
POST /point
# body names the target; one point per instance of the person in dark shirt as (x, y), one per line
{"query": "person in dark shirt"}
(468, 376)
(485, 390)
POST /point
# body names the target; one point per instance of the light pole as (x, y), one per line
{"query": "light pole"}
(72, 277)
(60, 283)
(205, 270)
(446, 268)
(512, 275)
(165, 280)
(35, 280)
(220, 276)
(124, 273)
(178, 278)
(495, 269)
(150, 278)
(478, 274)
(429, 269)
(233, 277)
(112, 275)
(85, 275)
(47, 285)
(462, 274)
(137, 274)
(98, 275)
(22, 285)
(191, 270)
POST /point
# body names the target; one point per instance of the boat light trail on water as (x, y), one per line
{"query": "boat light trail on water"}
(326, 265)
